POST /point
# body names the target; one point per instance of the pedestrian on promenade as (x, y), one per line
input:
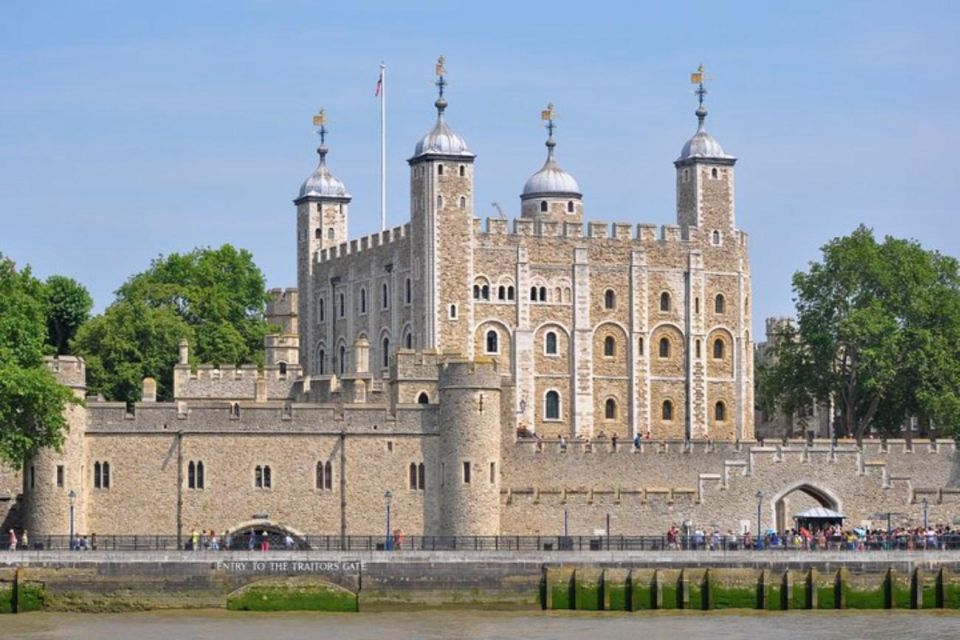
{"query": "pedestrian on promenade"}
(227, 540)
(13, 540)
(636, 440)
(195, 540)
(25, 540)
(264, 541)
(251, 540)
(288, 542)
(563, 443)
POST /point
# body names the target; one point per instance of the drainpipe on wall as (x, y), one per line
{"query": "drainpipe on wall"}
(343, 488)
(179, 489)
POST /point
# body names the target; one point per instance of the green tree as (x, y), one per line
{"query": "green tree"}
(32, 402)
(68, 305)
(215, 298)
(129, 342)
(877, 331)
(220, 293)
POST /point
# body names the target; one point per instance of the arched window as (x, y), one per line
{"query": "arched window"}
(713, 172)
(191, 476)
(343, 307)
(609, 299)
(510, 293)
(667, 410)
(453, 312)
(533, 294)
(552, 406)
(258, 477)
(235, 410)
(640, 346)
(569, 206)
(328, 475)
(551, 343)
(363, 300)
(384, 296)
(200, 475)
(609, 347)
(439, 202)
(664, 347)
(476, 292)
(557, 294)
(492, 341)
(718, 349)
(330, 233)
(463, 202)
(385, 355)
(543, 294)
(423, 398)
(97, 482)
(408, 291)
(320, 310)
(501, 293)
(439, 169)
(283, 368)
(720, 412)
(267, 482)
(485, 292)
(719, 304)
(413, 476)
(463, 171)
(322, 356)
(408, 340)
(343, 360)
(610, 409)
(696, 305)
(318, 233)
(320, 478)
(716, 237)
(664, 301)
(543, 206)
(421, 476)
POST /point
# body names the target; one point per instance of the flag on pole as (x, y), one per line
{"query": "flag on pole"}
(379, 83)
(697, 76)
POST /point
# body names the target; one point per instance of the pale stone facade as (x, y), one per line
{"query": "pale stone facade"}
(443, 361)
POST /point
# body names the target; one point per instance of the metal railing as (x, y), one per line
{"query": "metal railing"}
(277, 541)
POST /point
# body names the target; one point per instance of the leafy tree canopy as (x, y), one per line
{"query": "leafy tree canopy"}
(68, 305)
(215, 298)
(877, 331)
(32, 402)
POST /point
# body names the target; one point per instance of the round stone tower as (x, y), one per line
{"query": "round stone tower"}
(470, 448)
(50, 475)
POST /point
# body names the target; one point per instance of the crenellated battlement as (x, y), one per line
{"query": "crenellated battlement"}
(69, 370)
(282, 301)
(643, 233)
(365, 243)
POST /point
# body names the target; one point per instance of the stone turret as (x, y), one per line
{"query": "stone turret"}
(50, 475)
(470, 448)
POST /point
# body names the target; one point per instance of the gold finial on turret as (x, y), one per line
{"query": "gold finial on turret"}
(441, 70)
(320, 119)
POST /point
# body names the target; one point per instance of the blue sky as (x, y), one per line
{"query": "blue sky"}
(130, 129)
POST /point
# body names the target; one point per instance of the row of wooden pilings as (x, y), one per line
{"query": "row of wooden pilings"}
(637, 589)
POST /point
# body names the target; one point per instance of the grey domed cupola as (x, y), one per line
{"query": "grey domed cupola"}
(702, 146)
(551, 193)
(551, 180)
(322, 183)
(441, 140)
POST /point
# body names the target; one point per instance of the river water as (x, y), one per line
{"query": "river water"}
(481, 625)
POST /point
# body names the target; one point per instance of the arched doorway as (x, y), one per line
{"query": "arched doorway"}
(799, 497)
(251, 534)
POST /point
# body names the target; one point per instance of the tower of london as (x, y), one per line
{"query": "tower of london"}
(495, 376)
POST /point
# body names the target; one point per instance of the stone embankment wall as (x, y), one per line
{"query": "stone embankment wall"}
(632, 581)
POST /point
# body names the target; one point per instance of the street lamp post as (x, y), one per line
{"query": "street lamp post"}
(926, 506)
(387, 499)
(73, 496)
(759, 507)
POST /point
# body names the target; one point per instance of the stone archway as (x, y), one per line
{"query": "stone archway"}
(799, 496)
(241, 534)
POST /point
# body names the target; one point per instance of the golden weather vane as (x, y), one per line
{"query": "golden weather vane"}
(548, 114)
(320, 119)
(698, 77)
(441, 70)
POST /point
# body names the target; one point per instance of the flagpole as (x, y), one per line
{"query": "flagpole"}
(383, 146)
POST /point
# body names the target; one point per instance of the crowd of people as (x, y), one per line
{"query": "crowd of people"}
(828, 537)
(251, 540)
